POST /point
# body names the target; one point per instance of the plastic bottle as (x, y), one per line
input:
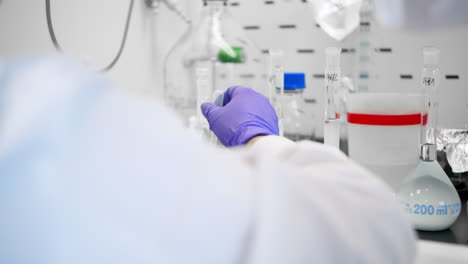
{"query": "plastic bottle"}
(293, 107)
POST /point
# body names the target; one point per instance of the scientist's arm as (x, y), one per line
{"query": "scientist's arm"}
(91, 175)
(245, 114)
(313, 205)
(317, 206)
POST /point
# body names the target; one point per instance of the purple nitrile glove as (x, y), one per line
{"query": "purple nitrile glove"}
(244, 115)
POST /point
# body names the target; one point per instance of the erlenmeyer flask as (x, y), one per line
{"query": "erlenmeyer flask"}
(427, 195)
(219, 44)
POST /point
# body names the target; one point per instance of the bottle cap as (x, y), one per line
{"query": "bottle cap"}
(333, 55)
(431, 56)
(294, 80)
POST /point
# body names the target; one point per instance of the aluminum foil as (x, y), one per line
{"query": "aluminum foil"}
(454, 142)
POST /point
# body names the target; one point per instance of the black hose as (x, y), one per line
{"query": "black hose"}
(57, 46)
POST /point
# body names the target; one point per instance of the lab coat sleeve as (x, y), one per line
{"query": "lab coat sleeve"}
(422, 14)
(91, 175)
(314, 205)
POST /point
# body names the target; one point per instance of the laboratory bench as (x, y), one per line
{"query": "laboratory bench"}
(456, 234)
(448, 246)
(445, 247)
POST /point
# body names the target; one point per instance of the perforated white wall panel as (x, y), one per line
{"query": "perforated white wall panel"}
(92, 30)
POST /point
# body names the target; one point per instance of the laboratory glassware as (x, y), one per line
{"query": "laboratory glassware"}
(204, 90)
(276, 84)
(364, 73)
(331, 132)
(220, 43)
(383, 127)
(427, 195)
(384, 133)
(295, 127)
(173, 5)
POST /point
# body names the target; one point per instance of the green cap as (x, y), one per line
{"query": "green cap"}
(237, 57)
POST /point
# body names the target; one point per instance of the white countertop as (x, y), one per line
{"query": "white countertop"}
(430, 252)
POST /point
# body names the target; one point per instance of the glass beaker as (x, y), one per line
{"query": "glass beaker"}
(218, 43)
(384, 133)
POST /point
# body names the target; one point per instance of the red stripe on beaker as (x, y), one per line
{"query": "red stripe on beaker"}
(386, 120)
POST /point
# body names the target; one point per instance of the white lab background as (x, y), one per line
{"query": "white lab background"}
(92, 30)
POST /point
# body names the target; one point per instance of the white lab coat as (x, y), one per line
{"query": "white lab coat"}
(89, 175)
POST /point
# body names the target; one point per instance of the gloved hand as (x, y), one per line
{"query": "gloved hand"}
(244, 115)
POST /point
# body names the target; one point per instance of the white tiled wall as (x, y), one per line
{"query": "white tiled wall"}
(405, 57)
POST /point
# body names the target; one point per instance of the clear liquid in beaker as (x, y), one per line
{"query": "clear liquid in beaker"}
(389, 150)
